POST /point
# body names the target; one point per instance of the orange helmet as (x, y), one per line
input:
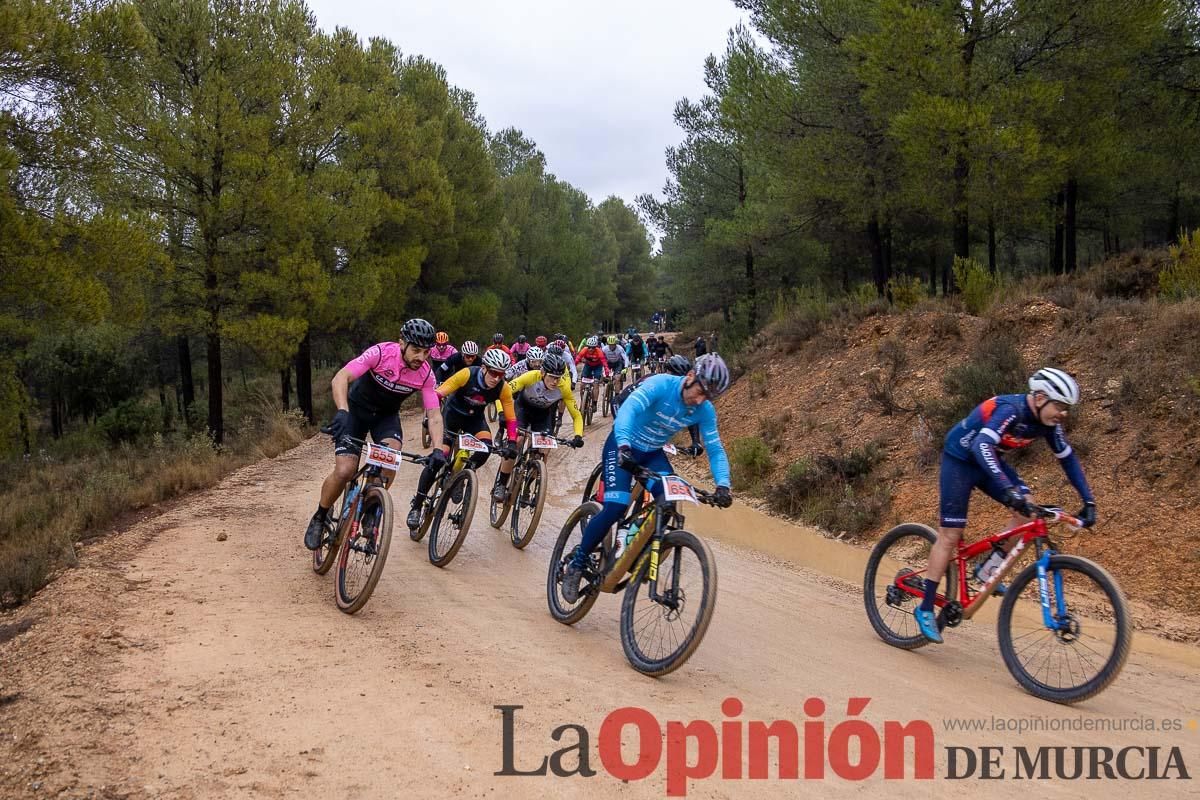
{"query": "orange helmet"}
(442, 337)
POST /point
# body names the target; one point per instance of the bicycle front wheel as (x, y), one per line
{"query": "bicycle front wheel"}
(362, 556)
(664, 619)
(452, 518)
(569, 539)
(527, 496)
(498, 512)
(1085, 645)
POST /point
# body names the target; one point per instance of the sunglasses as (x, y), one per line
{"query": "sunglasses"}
(496, 373)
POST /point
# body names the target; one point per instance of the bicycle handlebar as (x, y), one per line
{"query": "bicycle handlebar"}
(1056, 514)
(644, 473)
(414, 458)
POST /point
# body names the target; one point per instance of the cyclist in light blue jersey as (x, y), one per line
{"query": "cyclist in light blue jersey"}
(660, 407)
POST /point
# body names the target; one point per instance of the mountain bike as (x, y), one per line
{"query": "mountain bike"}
(667, 607)
(357, 539)
(610, 391)
(526, 488)
(1070, 651)
(593, 489)
(449, 506)
(589, 399)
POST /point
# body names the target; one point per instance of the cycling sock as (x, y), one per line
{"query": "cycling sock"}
(930, 593)
(321, 511)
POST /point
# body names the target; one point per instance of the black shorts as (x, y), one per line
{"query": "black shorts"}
(531, 417)
(381, 426)
(456, 422)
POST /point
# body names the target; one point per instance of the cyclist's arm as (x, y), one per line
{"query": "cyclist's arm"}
(341, 388)
(983, 447)
(528, 378)
(510, 416)
(432, 402)
(574, 370)
(635, 406)
(1070, 463)
(564, 386)
(718, 462)
(454, 382)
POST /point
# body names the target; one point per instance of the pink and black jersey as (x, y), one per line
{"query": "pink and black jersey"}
(383, 381)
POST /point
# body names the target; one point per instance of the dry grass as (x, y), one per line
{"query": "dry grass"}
(46, 504)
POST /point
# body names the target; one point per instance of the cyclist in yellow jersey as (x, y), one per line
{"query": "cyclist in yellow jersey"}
(537, 393)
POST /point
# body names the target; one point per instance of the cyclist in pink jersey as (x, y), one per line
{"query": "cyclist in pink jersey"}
(368, 393)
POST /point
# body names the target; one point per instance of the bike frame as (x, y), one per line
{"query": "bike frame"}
(1034, 531)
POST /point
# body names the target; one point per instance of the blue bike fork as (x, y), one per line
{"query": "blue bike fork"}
(1053, 620)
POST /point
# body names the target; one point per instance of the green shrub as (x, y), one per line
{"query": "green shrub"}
(945, 326)
(1128, 275)
(1181, 278)
(995, 368)
(751, 461)
(130, 421)
(906, 291)
(977, 285)
(835, 491)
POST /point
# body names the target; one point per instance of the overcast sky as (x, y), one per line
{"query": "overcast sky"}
(593, 83)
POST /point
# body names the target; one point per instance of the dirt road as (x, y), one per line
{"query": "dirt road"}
(172, 664)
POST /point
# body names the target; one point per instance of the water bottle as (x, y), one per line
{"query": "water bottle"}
(985, 570)
(624, 537)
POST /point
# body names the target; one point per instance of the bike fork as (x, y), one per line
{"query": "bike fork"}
(1053, 619)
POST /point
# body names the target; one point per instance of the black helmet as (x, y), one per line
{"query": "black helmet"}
(521, 338)
(678, 365)
(497, 338)
(560, 337)
(418, 333)
(554, 364)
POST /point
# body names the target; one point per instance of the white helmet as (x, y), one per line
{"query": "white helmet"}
(1056, 385)
(592, 341)
(535, 353)
(496, 359)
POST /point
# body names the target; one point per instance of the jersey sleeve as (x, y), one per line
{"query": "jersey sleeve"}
(983, 448)
(564, 386)
(525, 379)
(510, 415)
(718, 462)
(454, 382)
(1069, 463)
(368, 359)
(644, 396)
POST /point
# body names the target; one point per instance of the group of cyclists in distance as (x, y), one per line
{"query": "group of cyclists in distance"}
(655, 393)
(531, 383)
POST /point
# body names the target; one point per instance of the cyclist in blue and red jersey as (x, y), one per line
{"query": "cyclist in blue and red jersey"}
(972, 457)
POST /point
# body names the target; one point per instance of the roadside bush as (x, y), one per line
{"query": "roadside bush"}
(977, 285)
(834, 491)
(945, 326)
(906, 291)
(881, 383)
(773, 427)
(130, 421)
(750, 461)
(1181, 278)
(1129, 275)
(995, 368)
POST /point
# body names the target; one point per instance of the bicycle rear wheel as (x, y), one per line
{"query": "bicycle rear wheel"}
(658, 636)
(526, 498)
(569, 539)
(362, 556)
(607, 399)
(452, 518)
(325, 555)
(1088, 648)
(894, 583)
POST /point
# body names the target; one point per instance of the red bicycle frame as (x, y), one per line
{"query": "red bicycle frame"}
(1029, 532)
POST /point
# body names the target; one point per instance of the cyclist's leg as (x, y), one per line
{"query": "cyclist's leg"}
(477, 426)
(616, 498)
(346, 454)
(450, 422)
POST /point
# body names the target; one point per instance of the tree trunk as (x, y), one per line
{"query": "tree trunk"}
(933, 271)
(24, 422)
(56, 421)
(285, 387)
(216, 387)
(1056, 256)
(1173, 231)
(750, 288)
(887, 251)
(991, 226)
(875, 244)
(186, 385)
(962, 221)
(1069, 221)
(304, 378)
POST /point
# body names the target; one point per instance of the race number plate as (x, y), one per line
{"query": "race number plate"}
(587, 381)
(670, 449)
(468, 442)
(380, 456)
(676, 488)
(544, 441)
